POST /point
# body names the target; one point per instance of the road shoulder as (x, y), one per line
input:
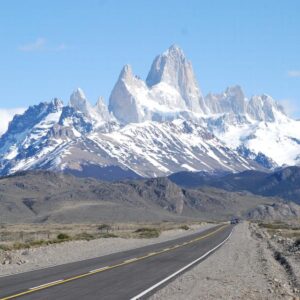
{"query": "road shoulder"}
(243, 268)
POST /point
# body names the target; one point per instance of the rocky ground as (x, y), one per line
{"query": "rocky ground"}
(244, 268)
(18, 261)
(286, 251)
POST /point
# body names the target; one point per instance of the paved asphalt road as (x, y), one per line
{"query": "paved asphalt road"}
(117, 276)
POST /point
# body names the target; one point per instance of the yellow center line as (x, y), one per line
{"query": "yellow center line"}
(46, 284)
(130, 260)
(100, 270)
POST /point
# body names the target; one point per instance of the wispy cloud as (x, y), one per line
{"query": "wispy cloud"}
(291, 107)
(293, 73)
(41, 44)
(6, 115)
(38, 45)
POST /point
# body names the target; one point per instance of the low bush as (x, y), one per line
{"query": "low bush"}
(184, 227)
(104, 227)
(63, 236)
(148, 233)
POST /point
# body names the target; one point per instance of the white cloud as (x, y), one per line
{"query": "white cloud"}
(6, 115)
(291, 107)
(293, 73)
(37, 45)
(41, 44)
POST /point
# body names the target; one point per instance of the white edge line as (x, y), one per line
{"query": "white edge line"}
(179, 271)
(45, 284)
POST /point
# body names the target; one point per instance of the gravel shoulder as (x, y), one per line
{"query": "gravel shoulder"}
(243, 268)
(18, 261)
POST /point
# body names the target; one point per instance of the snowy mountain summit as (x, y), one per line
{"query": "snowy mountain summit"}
(99, 114)
(172, 68)
(153, 128)
(170, 91)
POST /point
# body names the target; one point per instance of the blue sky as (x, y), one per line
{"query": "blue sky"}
(48, 48)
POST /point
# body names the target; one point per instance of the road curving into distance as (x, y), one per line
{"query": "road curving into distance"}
(133, 274)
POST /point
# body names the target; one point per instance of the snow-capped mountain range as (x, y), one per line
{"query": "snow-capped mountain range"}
(153, 128)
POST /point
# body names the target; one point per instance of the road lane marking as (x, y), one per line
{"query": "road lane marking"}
(46, 284)
(29, 291)
(100, 269)
(130, 260)
(179, 271)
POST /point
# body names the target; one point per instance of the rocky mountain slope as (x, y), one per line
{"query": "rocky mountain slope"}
(43, 196)
(152, 128)
(276, 211)
(283, 183)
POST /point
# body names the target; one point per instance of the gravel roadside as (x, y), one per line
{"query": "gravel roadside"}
(243, 268)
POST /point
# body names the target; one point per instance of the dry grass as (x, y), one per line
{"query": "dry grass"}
(286, 230)
(24, 236)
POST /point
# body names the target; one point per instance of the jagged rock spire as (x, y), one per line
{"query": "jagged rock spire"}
(173, 68)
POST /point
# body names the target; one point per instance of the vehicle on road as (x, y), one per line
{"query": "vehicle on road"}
(234, 220)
